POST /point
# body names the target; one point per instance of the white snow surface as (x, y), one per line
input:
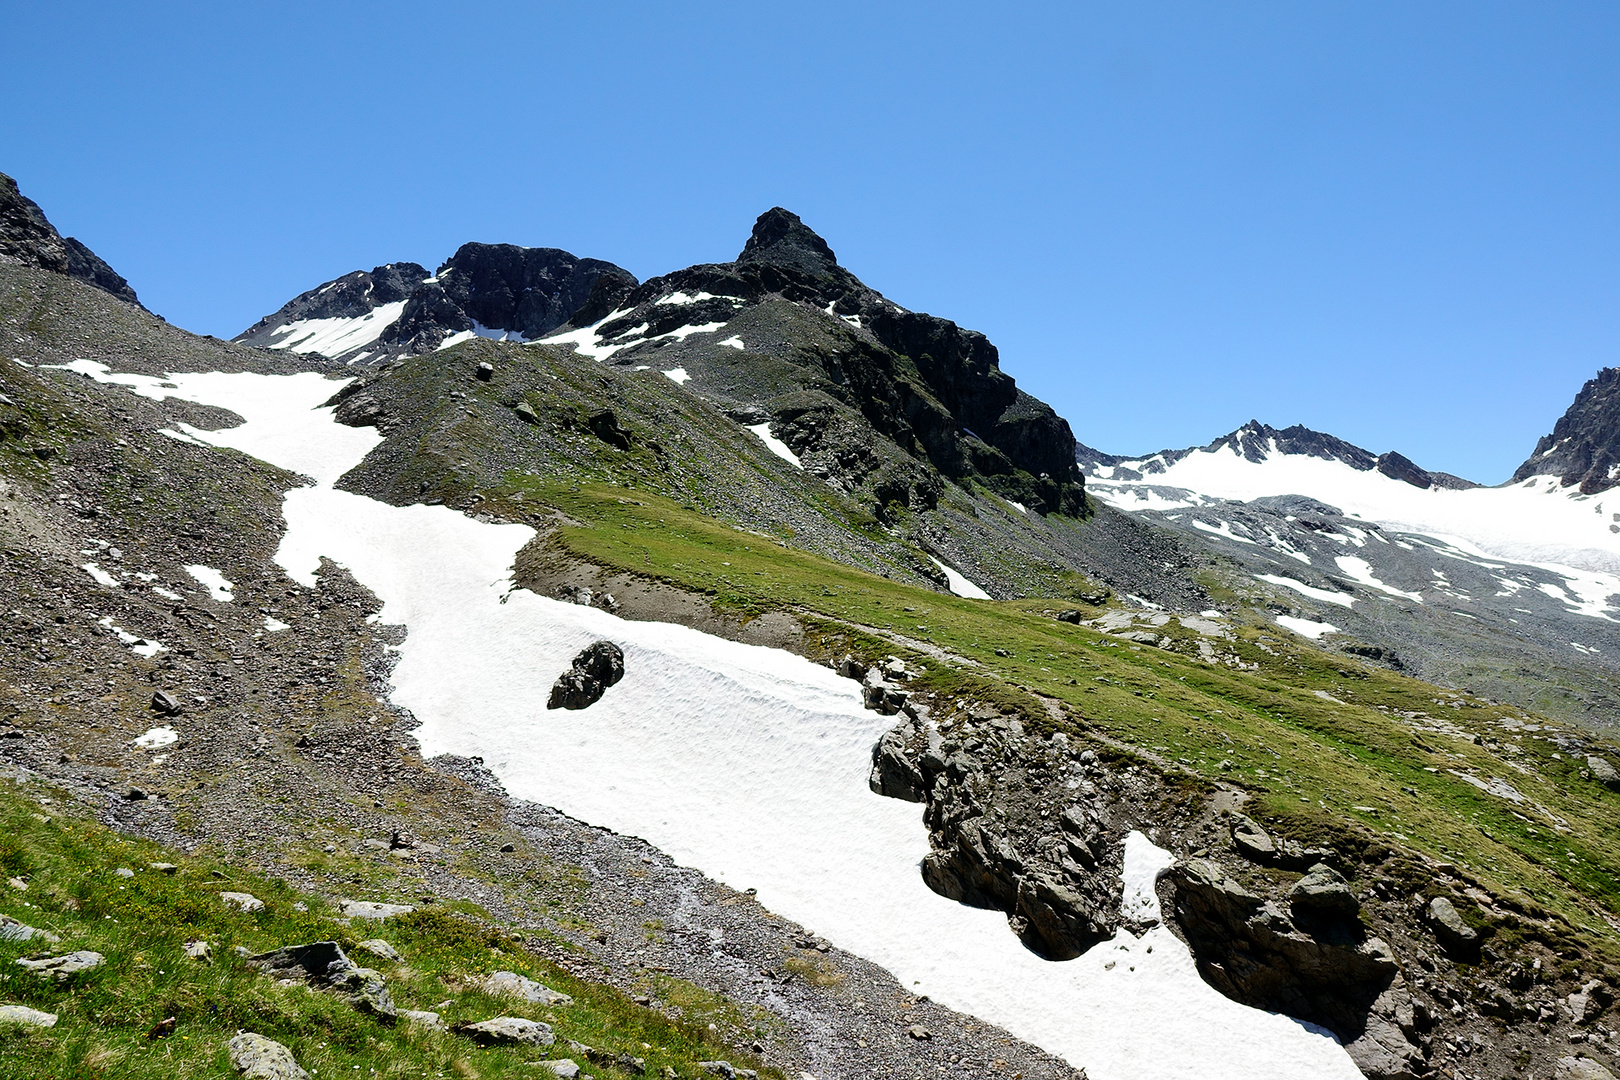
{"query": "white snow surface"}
(212, 580)
(101, 576)
(959, 584)
(734, 342)
(676, 375)
(1311, 591)
(745, 762)
(1538, 521)
(1360, 570)
(1306, 627)
(777, 446)
(157, 737)
(334, 337)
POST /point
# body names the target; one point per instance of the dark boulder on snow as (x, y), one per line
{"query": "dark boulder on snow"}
(597, 667)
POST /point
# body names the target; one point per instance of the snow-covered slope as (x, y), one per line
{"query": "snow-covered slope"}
(749, 763)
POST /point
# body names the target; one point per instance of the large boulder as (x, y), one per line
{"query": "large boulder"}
(64, 967)
(324, 965)
(1318, 966)
(1455, 935)
(894, 775)
(509, 1031)
(597, 667)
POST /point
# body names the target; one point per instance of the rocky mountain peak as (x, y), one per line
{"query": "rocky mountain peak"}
(27, 236)
(1584, 447)
(781, 239)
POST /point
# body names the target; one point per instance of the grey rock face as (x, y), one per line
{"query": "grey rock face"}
(323, 964)
(519, 986)
(597, 667)
(12, 930)
(1581, 1068)
(22, 1014)
(245, 902)
(1605, 773)
(509, 1031)
(424, 1018)
(64, 967)
(256, 1057)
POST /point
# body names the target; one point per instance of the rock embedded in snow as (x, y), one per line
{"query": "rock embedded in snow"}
(597, 667)
(257, 1057)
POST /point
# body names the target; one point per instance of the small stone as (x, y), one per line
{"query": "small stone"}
(165, 703)
(22, 1014)
(508, 848)
(255, 1057)
(920, 1033)
(200, 951)
(485, 371)
(380, 948)
(65, 966)
(526, 413)
(242, 901)
(512, 984)
(1323, 891)
(17, 883)
(368, 909)
(1455, 934)
(167, 868)
(1251, 840)
(510, 1031)
(567, 1068)
(424, 1018)
(124, 871)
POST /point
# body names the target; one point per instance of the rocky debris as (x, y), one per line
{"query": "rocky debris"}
(164, 703)
(12, 930)
(597, 667)
(1455, 935)
(511, 984)
(381, 949)
(200, 951)
(371, 909)
(245, 902)
(1318, 965)
(256, 1057)
(324, 965)
(1605, 773)
(509, 1031)
(22, 1014)
(1581, 1068)
(726, 1070)
(64, 967)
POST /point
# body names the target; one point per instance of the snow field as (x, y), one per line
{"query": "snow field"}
(745, 762)
(775, 445)
(959, 584)
(333, 337)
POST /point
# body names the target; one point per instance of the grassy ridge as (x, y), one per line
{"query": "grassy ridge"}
(107, 1017)
(1330, 749)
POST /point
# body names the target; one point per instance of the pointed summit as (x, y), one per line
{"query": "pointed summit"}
(782, 240)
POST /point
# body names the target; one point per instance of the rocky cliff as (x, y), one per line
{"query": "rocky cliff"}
(1584, 447)
(29, 238)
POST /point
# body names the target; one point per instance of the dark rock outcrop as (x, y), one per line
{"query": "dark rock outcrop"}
(1315, 963)
(323, 964)
(1584, 447)
(597, 667)
(500, 290)
(29, 238)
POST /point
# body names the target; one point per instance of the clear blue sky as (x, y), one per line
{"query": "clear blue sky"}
(1396, 222)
